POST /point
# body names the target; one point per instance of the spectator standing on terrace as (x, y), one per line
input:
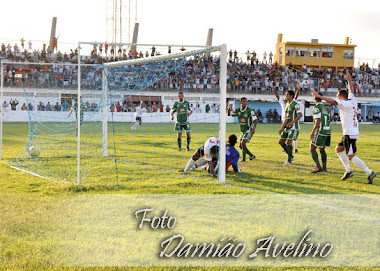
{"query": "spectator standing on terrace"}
(5, 106)
(13, 104)
(55, 44)
(48, 107)
(207, 108)
(370, 114)
(57, 107)
(30, 45)
(106, 48)
(23, 107)
(22, 43)
(30, 107)
(100, 48)
(270, 57)
(265, 57)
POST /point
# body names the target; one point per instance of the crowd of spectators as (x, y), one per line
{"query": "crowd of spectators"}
(247, 74)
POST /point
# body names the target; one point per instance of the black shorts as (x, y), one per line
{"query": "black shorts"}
(349, 144)
(201, 151)
(138, 119)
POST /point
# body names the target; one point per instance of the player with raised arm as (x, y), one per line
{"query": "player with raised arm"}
(248, 122)
(290, 126)
(320, 135)
(210, 151)
(138, 115)
(348, 108)
(281, 101)
(182, 108)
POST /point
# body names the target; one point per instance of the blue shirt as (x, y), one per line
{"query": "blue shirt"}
(232, 157)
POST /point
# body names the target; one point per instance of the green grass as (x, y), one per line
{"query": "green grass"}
(28, 202)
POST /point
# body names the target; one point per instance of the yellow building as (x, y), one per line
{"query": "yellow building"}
(314, 54)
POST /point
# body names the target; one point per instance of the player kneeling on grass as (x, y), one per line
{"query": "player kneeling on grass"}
(210, 151)
(232, 155)
(320, 135)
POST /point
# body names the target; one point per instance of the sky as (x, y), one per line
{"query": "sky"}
(241, 24)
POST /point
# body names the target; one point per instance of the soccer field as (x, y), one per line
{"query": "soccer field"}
(28, 204)
(153, 162)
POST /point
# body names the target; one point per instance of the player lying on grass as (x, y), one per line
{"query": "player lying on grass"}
(232, 157)
(320, 135)
(248, 121)
(210, 151)
(348, 110)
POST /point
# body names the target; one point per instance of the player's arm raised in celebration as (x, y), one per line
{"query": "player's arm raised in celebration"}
(349, 80)
(329, 100)
(276, 93)
(297, 92)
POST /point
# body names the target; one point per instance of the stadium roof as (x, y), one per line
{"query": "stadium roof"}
(371, 104)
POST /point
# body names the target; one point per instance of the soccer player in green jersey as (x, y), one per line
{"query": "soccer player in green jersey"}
(321, 134)
(290, 126)
(248, 121)
(182, 108)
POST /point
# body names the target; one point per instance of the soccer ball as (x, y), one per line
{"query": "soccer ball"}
(34, 151)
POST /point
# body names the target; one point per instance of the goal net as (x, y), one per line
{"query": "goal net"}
(110, 123)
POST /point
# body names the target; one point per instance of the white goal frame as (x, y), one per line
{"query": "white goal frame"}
(222, 85)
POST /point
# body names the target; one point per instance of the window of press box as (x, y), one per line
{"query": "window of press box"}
(348, 54)
(302, 52)
(314, 52)
(290, 51)
(327, 51)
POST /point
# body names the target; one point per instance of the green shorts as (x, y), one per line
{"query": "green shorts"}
(321, 140)
(245, 135)
(290, 134)
(179, 126)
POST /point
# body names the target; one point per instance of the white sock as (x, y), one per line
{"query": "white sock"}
(189, 165)
(343, 157)
(357, 161)
(201, 163)
(295, 144)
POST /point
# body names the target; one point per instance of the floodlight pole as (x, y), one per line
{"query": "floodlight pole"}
(78, 116)
(222, 112)
(2, 110)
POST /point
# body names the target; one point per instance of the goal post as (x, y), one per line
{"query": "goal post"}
(222, 97)
(81, 147)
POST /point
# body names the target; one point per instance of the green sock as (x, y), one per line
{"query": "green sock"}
(179, 141)
(188, 142)
(244, 151)
(324, 160)
(285, 147)
(314, 155)
(290, 153)
(247, 151)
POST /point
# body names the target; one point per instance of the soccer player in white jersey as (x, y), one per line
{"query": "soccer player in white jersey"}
(138, 115)
(282, 103)
(348, 107)
(210, 151)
